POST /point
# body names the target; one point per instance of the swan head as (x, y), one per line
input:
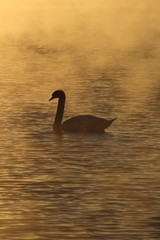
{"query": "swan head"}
(57, 94)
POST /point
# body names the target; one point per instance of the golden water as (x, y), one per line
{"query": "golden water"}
(78, 186)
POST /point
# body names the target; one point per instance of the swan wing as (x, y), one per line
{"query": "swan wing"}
(86, 123)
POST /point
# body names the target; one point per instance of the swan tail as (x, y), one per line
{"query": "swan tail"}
(110, 122)
(113, 119)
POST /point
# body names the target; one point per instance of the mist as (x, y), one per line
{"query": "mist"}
(81, 23)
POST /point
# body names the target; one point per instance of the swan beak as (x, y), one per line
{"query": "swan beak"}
(50, 98)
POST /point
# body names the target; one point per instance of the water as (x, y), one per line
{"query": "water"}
(81, 186)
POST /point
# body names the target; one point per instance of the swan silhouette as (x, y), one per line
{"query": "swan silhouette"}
(80, 123)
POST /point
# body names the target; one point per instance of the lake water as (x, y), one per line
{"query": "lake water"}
(80, 186)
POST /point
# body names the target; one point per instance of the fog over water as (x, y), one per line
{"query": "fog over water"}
(105, 55)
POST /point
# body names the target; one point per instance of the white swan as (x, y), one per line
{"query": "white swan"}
(81, 123)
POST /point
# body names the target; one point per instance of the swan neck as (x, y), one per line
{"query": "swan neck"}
(59, 113)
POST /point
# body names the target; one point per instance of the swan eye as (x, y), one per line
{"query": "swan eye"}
(54, 96)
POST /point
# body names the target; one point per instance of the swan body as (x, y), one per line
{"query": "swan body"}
(80, 123)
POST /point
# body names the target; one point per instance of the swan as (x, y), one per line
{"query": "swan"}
(80, 123)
